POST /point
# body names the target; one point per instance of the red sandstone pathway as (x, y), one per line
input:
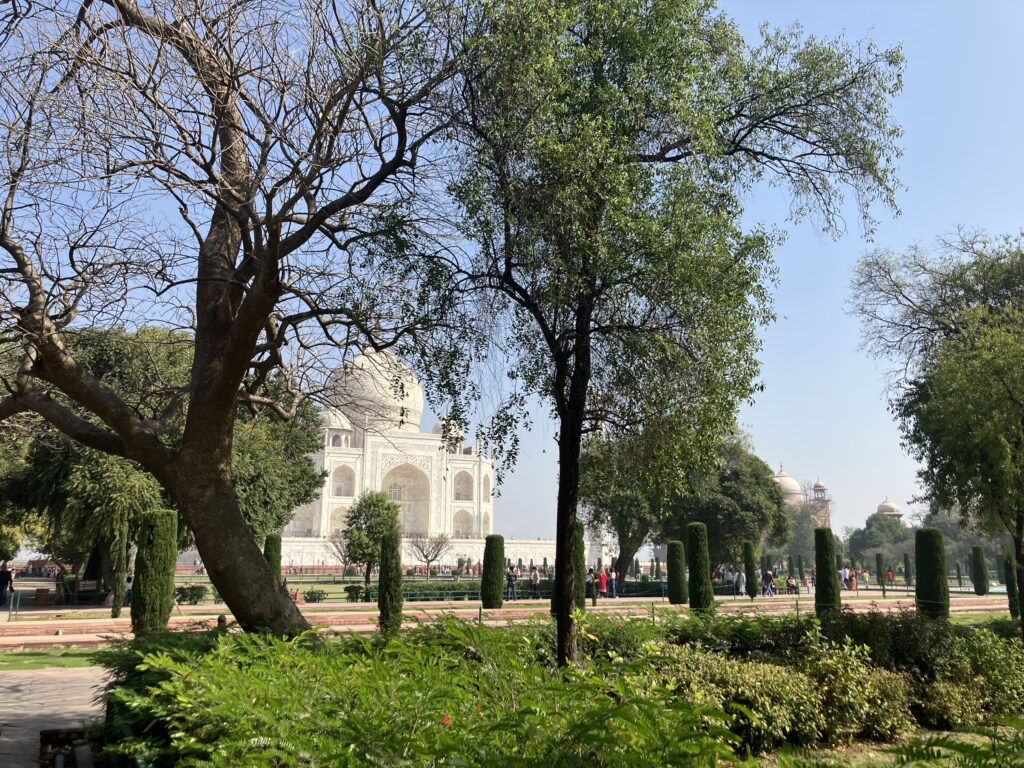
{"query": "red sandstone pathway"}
(91, 627)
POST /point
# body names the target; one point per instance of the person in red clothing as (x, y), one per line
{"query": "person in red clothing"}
(602, 583)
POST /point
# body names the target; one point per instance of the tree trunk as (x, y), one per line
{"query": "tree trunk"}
(624, 562)
(565, 537)
(366, 574)
(1018, 546)
(205, 494)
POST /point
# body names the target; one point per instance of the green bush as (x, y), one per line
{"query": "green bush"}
(749, 572)
(153, 586)
(190, 594)
(826, 587)
(314, 595)
(979, 570)
(272, 553)
(932, 591)
(702, 595)
(492, 582)
(354, 593)
(677, 591)
(766, 705)
(993, 667)
(857, 699)
(389, 583)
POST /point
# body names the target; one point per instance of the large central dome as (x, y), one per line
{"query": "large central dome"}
(378, 391)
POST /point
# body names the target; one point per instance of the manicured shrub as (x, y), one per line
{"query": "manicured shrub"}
(272, 553)
(318, 595)
(153, 585)
(389, 584)
(932, 591)
(492, 582)
(749, 572)
(190, 594)
(789, 567)
(677, 591)
(637, 572)
(959, 576)
(908, 575)
(880, 572)
(702, 594)
(800, 567)
(657, 568)
(1010, 579)
(979, 570)
(826, 589)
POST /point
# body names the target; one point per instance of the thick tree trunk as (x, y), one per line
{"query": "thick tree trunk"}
(624, 562)
(569, 437)
(205, 494)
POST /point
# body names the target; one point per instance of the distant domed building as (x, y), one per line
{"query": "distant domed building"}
(889, 508)
(818, 502)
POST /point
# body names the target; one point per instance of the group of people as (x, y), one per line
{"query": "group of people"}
(512, 576)
(602, 583)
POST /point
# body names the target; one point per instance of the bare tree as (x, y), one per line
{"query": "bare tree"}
(239, 170)
(338, 545)
(429, 549)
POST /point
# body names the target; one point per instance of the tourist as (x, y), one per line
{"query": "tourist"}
(889, 576)
(791, 585)
(769, 584)
(740, 582)
(534, 583)
(591, 587)
(814, 576)
(6, 583)
(612, 579)
(510, 581)
(602, 583)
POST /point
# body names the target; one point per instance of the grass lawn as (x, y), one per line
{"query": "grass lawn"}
(50, 657)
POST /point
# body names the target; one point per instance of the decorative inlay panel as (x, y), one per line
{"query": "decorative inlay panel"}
(390, 460)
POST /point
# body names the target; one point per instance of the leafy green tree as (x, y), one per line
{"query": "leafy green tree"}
(739, 501)
(370, 518)
(11, 538)
(954, 320)
(880, 532)
(608, 147)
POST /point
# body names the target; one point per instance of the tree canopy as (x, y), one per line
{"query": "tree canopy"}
(369, 519)
(737, 501)
(881, 533)
(955, 323)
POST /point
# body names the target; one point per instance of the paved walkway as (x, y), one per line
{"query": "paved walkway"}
(40, 699)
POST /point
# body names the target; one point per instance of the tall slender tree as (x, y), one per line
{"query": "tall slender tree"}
(608, 145)
(826, 588)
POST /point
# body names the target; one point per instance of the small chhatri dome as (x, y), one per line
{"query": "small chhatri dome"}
(820, 486)
(890, 508)
(790, 487)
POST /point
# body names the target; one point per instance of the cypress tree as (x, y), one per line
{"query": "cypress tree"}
(581, 569)
(1011, 585)
(789, 567)
(932, 589)
(677, 591)
(389, 583)
(749, 572)
(153, 585)
(907, 575)
(880, 571)
(839, 559)
(800, 567)
(545, 565)
(492, 581)
(702, 595)
(272, 553)
(657, 568)
(979, 570)
(826, 589)
(959, 576)
(636, 568)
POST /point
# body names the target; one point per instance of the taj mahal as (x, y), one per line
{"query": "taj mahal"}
(372, 440)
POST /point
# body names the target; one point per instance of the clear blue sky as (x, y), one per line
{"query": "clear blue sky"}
(823, 412)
